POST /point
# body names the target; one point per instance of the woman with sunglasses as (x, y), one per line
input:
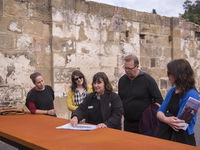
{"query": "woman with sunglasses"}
(78, 91)
(103, 107)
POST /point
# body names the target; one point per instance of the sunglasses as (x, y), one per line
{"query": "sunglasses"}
(75, 79)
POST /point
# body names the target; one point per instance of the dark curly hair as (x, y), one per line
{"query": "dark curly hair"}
(79, 74)
(183, 74)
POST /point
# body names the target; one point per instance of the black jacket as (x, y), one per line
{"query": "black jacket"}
(137, 95)
(110, 109)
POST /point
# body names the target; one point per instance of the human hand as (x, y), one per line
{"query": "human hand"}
(101, 125)
(157, 104)
(175, 123)
(74, 121)
(51, 112)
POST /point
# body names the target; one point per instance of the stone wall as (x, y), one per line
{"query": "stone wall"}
(25, 31)
(56, 37)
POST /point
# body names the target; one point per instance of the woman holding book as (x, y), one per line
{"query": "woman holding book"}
(173, 128)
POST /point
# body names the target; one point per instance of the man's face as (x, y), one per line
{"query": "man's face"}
(131, 69)
(39, 83)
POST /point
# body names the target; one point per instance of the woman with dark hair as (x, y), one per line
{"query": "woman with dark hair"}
(103, 107)
(78, 91)
(40, 99)
(181, 76)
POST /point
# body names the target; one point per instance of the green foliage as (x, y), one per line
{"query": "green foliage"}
(192, 11)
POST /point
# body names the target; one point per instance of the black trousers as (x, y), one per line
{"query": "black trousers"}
(131, 126)
(166, 132)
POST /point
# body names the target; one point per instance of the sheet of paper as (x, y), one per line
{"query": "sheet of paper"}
(185, 125)
(68, 126)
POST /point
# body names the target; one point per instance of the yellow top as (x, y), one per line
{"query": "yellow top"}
(70, 98)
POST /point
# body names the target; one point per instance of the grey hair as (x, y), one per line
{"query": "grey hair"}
(133, 58)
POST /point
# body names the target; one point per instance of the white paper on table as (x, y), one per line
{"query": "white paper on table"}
(68, 126)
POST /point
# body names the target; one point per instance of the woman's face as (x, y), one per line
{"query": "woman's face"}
(171, 78)
(78, 80)
(39, 83)
(99, 87)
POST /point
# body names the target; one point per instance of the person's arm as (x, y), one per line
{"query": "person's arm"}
(70, 101)
(116, 112)
(172, 121)
(31, 106)
(81, 111)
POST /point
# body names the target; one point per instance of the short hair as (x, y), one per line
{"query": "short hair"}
(34, 75)
(102, 76)
(133, 58)
(74, 84)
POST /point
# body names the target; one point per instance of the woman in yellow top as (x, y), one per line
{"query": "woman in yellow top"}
(78, 91)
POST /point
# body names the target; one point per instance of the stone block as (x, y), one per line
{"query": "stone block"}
(157, 51)
(33, 27)
(176, 32)
(43, 60)
(107, 11)
(63, 75)
(144, 28)
(46, 31)
(59, 4)
(1, 8)
(164, 30)
(40, 10)
(177, 43)
(15, 8)
(166, 52)
(127, 14)
(63, 45)
(6, 25)
(15, 26)
(24, 42)
(81, 6)
(59, 59)
(70, 4)
(7, 42)
(41, 45)
(144, 62)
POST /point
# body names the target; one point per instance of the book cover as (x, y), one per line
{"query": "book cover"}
(190, 109)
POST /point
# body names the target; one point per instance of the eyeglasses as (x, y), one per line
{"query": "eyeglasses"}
(127, 68)
(75, 79)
